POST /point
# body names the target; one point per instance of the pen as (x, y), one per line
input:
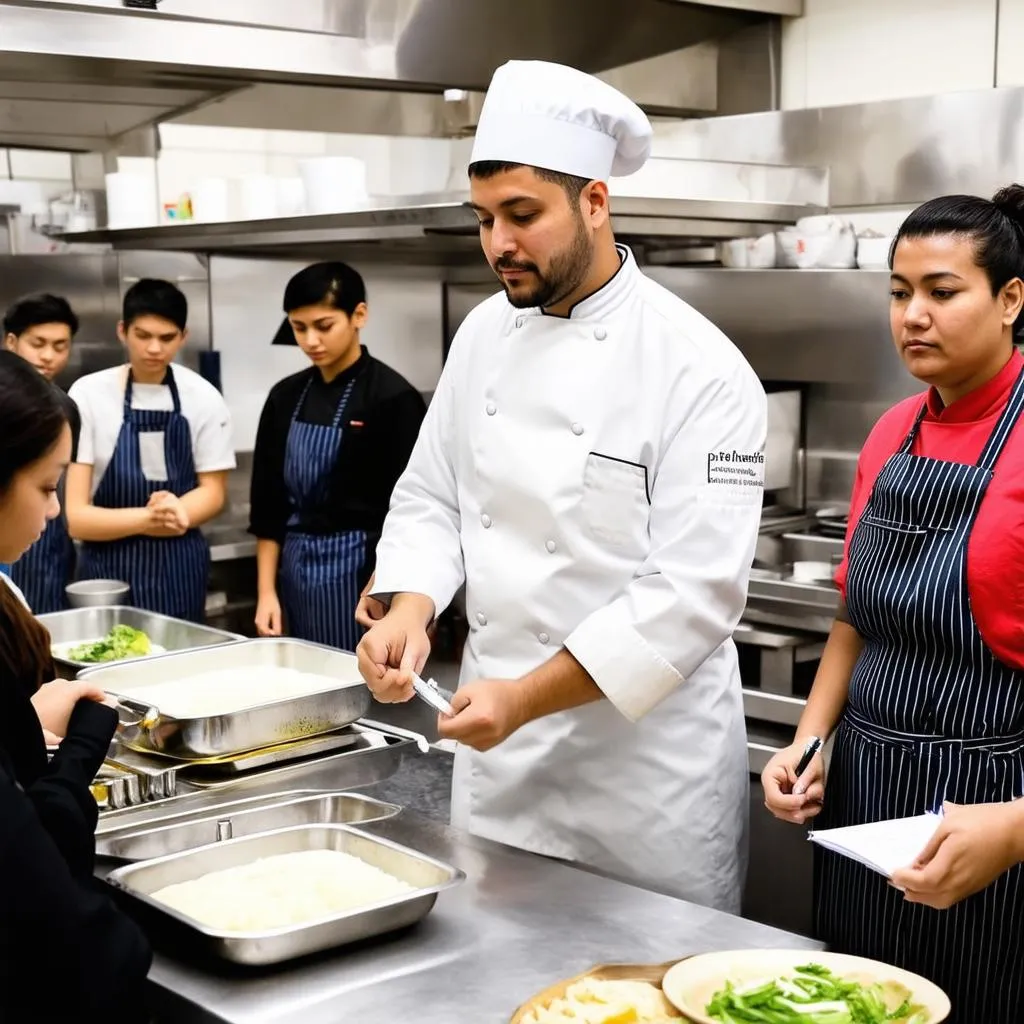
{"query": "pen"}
(813, 746)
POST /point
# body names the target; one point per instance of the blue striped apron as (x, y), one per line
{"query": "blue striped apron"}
(319, 576)
(932, 715)
(45, 569)
(168, 575)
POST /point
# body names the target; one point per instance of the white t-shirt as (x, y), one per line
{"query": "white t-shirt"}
(14, 588)
(100, 401)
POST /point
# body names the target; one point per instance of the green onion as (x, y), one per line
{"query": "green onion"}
(813, 995)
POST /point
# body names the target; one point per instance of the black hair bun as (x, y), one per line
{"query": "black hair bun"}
(1010, 200)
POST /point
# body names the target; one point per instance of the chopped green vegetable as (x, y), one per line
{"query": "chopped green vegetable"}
(120, 643)
(814, 995)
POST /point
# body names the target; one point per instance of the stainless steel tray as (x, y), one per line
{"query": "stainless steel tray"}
(268, 757)
(267, 725)
(287, 774)
(378, 757)
(233, 821)
(79, 625)
(429, 877)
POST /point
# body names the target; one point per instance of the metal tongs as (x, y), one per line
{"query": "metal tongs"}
(134, 714)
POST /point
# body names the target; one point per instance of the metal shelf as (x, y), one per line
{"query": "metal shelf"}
(442, 229)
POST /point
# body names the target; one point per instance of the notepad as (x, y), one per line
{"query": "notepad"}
(882, 846)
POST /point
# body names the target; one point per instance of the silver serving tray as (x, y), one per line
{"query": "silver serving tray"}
(235, 821)
(265, 725)
(79, 625)
(429, 877)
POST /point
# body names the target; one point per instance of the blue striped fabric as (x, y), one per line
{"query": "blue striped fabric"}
(319, 573)
(44, 570)
(932, 716)
(168, 575)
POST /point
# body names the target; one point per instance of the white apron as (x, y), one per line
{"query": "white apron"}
(571, 470)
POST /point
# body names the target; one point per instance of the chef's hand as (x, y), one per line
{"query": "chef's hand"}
(268, 615)
(55, 701)
(786, 796)
(971, 848)
(369, 610)
(395, 647)
(487, 712)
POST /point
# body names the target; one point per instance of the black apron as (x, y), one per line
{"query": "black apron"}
(319, 575)
(932, 715)
(167, 575)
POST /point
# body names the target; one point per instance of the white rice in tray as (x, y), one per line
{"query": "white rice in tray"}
(225, 691)
(280, 891)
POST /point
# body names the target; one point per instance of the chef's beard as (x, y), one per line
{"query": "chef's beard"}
(566, 271)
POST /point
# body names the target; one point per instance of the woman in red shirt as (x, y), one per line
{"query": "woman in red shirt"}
(922, 679)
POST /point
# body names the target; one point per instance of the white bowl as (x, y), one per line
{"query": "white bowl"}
(873, 253)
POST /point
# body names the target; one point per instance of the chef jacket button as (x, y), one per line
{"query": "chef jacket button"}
(551, 546)
(491, 408)
(543, 638)
(481, 618)
(600, 333)
(485, 520)
(520, 320)
(577, 429)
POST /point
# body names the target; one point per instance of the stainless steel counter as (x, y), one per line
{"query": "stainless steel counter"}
(518, 924)
(230, 542)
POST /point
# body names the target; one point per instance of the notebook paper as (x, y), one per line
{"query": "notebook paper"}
(883, 846)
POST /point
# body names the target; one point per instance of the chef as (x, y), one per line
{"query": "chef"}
(591, 464)
(332, 441)
(40, 329)
(152, 462)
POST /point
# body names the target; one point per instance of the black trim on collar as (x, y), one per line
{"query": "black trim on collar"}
(623, 257)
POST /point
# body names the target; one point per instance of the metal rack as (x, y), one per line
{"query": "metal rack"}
(441, 229)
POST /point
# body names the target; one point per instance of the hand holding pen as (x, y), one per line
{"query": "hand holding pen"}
(794, 781)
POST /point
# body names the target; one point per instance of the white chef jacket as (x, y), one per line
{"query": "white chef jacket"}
(597, 481)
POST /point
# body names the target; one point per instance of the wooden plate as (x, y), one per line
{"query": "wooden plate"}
(691, 984)
(651, 973)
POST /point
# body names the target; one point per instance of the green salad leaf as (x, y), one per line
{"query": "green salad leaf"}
(814, 995)
(120, 643)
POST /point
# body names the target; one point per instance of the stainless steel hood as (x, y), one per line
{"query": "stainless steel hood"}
(75, 74)
(441, 230)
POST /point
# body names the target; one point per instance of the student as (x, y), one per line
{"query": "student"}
(922, 679)
(40, 329)
(332, 441)
(152, 462)
(67, 953)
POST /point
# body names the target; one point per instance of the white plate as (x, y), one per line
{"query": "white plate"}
(690, 984)
(63, 650)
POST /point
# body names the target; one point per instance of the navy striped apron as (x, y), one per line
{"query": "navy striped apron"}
(319, 576)
(168, 575)
(932, 715)
(45, 569)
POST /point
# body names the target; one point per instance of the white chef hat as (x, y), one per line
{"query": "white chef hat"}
(555, 117)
